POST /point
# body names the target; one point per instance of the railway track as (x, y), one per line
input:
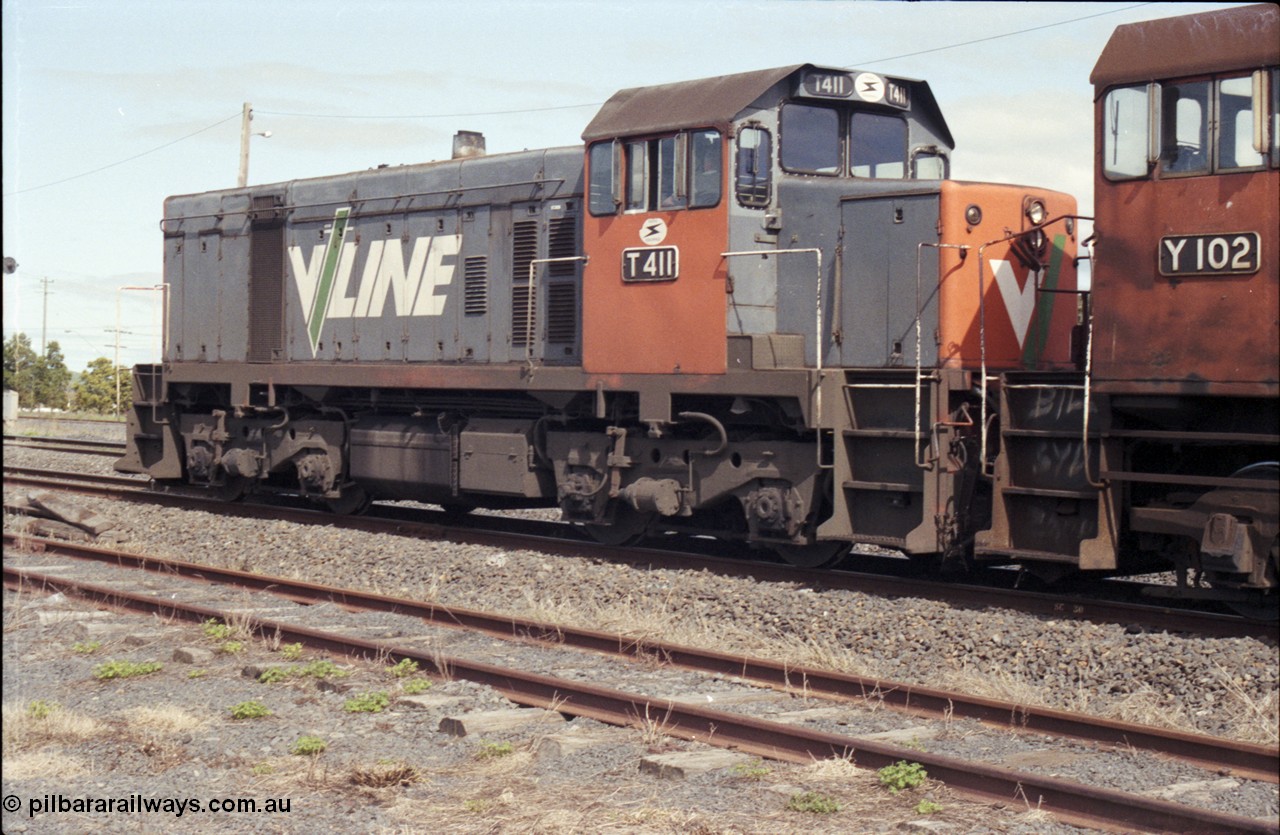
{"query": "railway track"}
(1254, 762)
(78, 445)
(552, 538)
(1072, 802)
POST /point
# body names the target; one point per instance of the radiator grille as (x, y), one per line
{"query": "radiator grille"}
(524, 249)
(475, 281)
(562, 313)
(562, 242)
(520, 320)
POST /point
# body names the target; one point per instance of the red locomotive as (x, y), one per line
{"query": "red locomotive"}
(1178, 411)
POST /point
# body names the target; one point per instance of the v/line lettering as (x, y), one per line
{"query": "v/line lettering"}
(417, 288)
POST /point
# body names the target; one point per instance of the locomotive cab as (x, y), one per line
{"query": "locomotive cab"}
(1166, 450)
(798, 224)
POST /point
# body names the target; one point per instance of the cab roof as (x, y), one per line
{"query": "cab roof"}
(1245, 37)
(715, 102)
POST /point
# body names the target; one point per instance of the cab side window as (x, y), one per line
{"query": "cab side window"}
(1184, 146)
(1124, 133)
(677, 171)
(604, 159)
(1235, 124)
(751, 175)
(706, 174)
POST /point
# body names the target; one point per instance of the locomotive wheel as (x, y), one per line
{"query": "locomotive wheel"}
(627, 529)
(817, 555)
(353, 501)
(232, 489)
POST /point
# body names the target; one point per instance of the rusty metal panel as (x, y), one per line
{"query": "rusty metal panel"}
(1201, 331)
(1177, 47)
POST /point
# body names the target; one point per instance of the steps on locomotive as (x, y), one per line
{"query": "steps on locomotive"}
(882, 492)
(1045, 503)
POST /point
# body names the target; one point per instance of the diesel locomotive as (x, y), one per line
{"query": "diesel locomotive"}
(1165, 450)
(754, 307)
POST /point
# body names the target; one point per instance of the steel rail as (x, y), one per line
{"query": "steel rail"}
(77, 445)
(51, 439)
(1169, 618)
(1071, 802)
(1241, 759)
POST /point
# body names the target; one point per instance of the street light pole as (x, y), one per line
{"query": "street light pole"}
(246, 117)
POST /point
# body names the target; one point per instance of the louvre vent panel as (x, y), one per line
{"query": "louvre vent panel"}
(475, 271)
(520, 319)
(562, 242)
(562, 313)
(524, 249)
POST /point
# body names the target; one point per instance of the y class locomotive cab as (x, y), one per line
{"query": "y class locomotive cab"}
(1165, 453)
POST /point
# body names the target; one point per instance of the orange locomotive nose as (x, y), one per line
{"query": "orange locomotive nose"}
(1007, 282)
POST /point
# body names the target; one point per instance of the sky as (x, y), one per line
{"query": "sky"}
(108, 108)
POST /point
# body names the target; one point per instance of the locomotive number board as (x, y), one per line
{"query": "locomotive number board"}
(1237, 253)
(651, 263)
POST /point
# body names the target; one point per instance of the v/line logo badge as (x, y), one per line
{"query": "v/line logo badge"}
(1021, 302)
(324, 280)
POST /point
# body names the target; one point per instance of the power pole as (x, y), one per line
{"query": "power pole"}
(44, 323)
(245, 118)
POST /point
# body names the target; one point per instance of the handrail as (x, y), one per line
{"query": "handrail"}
(529, 329)
(964, 250)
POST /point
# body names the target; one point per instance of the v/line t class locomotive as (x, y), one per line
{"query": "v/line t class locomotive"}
(752, 306)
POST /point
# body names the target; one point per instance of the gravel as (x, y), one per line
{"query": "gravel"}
(1225, 687)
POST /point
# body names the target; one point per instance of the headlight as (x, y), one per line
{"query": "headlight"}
(1035, 212)
(973, 215)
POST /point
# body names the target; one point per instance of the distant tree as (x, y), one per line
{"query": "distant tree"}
(53, 379)
(20, 365)
(95, 391)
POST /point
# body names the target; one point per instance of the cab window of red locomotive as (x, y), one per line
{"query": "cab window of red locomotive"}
(1124, 133)
(707, 172)
(877, 146)
(672, 188)
(1184, 132)
(755, 161)
(601, 158)
(637, 176)
(1235, 125)
(810, 138)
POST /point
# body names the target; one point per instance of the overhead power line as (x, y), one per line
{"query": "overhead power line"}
(998, 37)
(236, 115)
